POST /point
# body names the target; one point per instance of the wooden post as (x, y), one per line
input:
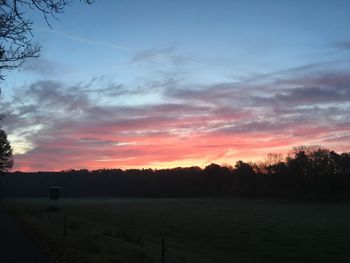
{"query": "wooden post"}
(163, 251)
(64, 226)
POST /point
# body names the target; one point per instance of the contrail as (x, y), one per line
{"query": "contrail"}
(87, 41)
(129, 49)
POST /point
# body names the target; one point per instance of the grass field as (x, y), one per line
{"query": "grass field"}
(195, 230)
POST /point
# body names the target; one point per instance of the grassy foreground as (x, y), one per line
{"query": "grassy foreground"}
(195, 230)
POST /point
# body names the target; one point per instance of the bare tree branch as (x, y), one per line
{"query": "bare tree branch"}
(16, 38)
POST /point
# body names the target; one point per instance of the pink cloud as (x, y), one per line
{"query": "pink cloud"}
(221, 123)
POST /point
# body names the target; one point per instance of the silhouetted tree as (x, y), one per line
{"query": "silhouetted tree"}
(344, 162)
(6, 158)
(271, 162)
(244, 169)
(244, 183)
(280, 168)
(216, 170)
(299, 161)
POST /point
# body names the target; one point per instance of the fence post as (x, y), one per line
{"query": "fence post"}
(64, 227)
(163, 251)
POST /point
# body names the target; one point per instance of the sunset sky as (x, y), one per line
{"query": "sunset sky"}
(163, 83)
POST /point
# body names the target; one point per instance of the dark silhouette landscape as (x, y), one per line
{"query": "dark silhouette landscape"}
(127, 126)
(307, 173)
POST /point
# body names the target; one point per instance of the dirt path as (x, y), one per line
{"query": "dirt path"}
(17, 246)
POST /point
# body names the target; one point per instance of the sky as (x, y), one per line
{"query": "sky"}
(160, 83)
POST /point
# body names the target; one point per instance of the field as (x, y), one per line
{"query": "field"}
(195, 230)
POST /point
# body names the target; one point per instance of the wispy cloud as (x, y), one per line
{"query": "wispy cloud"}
(43, 67)
(342, 45)
(65, 125)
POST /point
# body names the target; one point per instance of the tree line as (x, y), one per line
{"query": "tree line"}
(306, 173)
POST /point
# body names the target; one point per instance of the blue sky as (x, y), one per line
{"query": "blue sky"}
(150, 52)
(230, 38)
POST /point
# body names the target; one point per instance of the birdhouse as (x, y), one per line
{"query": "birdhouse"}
(55, 192)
